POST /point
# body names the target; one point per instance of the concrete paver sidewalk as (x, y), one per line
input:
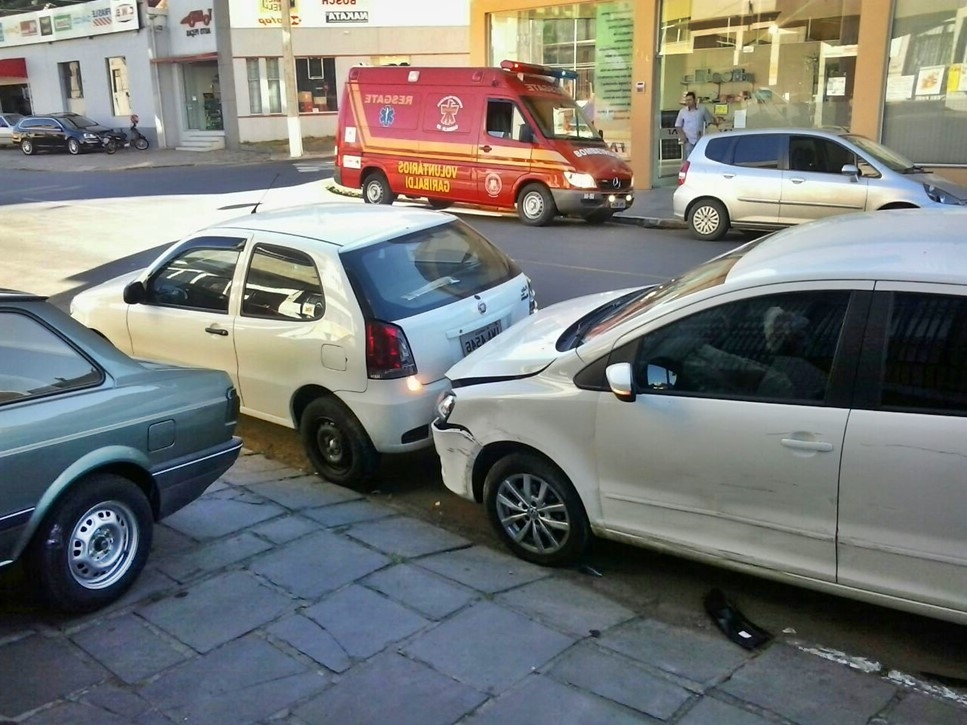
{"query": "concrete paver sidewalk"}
(279, 597)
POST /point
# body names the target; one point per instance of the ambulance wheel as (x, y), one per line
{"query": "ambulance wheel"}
(439, 203)
(376, 189)
(535, 205)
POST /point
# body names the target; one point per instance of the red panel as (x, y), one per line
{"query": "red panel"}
(13, 68)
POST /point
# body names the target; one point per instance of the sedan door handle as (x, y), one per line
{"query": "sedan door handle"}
(486, 148)
(729, 176)
(820, 446)
(797, 179)
(216, 331)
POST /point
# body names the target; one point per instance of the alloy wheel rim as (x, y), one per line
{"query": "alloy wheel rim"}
(533, 514)
(706, 220)
(102, 545)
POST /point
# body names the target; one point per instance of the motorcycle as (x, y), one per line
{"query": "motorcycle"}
(119, 139)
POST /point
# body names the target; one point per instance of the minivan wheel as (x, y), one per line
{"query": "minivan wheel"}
(535, 205)
(93, 544)
(27, 146)
(337, 444)
(376, 190)
(73, 147)
(709, 219)
(535, 510)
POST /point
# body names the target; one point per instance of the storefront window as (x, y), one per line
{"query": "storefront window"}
(925, 114)
(782, 63)
(594, 39)
(316, 82)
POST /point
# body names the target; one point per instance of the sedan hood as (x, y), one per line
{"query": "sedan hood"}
(530, 345)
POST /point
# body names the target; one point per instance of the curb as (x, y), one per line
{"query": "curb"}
(335, 188)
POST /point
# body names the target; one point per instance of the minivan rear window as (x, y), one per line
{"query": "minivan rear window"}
(425, 270)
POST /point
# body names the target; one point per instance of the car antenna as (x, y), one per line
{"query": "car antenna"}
(265, 193)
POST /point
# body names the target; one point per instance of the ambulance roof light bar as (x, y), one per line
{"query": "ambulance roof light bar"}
(539, 70)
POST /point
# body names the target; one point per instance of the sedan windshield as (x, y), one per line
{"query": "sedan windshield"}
(612, 314)
(891, 159)
(79, 121)
(560, 118)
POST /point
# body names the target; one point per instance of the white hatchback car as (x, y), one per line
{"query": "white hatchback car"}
(338, 320)
(796, 408)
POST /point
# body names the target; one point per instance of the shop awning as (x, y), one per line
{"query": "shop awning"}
(187, 58)
(13, 68)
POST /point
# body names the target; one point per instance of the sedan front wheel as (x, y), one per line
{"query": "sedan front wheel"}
(27, 146)
(535, 510)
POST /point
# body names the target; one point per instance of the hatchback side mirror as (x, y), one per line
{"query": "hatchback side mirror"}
(850, 170)
(620, 381)
(134, 293)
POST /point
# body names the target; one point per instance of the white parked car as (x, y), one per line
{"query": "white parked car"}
(7, 122)
(796, 408)
(338, 320)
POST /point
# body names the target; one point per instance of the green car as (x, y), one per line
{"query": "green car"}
(95, 447)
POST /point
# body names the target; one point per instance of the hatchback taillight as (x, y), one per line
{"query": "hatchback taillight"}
(681, 173)
(388, 353)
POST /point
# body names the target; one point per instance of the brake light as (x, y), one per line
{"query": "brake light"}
(388, 353)
(682, 172)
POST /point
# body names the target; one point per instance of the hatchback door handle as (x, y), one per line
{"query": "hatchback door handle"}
(216, 331)
(797, 179)
(487, 148)
(729, 176)
(820, 446)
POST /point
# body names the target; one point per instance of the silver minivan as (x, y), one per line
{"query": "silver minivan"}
(770, 178)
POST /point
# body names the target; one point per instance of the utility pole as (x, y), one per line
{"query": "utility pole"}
(288, 76)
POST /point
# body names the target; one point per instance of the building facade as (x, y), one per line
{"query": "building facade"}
(893, 70)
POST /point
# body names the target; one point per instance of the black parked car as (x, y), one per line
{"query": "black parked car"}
(62, 131)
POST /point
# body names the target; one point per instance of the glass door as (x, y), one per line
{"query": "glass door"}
(203, 98)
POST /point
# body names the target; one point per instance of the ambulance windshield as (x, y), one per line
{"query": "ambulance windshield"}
(560, 118)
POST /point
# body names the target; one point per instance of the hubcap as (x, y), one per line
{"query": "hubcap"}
(706, 220)
(533, 205)
(374, 193)
(102, 545)
(533, 514)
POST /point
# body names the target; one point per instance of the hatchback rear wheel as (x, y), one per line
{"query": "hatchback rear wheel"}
(337, 444)
(709, 219)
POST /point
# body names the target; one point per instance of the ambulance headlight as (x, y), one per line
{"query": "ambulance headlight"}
(579, 180)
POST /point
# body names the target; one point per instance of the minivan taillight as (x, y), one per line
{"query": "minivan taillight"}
(387, 352)
(681, 173)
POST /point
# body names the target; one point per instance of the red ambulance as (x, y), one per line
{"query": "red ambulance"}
(499, 138)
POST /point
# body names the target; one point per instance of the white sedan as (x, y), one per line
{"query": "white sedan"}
(796, 408)
(339, 320)
(7, 122)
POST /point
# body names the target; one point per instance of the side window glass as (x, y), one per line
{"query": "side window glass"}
(282, 284)
(717, 149)
(926, 355)
(757, 151)
(772, 348)
(834, 157)
(803, 155)
(35, 361)
(199, 278)
(504, 120)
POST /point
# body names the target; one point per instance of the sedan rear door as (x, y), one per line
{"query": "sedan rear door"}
(903, 488)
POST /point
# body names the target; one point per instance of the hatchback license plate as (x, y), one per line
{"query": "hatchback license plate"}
(472, 340)
(618, 204)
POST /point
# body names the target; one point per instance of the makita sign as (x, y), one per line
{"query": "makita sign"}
(347, 16)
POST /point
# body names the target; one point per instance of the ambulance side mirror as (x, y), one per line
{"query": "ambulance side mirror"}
(525, 135)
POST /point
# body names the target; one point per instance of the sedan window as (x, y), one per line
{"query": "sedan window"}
(34, 361)
(775, 347)
(200, 278)
(926, 353)
(282, 284)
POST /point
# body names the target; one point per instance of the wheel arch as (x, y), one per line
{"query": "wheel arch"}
(305, 395)
(898, 205)
(706, 197)
(525, 181)
(493, 452)
(370, 169)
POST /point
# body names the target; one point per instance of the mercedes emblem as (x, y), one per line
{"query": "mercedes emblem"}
(616, 182)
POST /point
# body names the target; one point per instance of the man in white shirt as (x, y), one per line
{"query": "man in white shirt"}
(691, 123)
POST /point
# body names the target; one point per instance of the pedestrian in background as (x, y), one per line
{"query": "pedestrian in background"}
(690, 124)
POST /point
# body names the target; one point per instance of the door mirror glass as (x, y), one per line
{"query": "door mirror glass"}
(134, 293)
(620, 381)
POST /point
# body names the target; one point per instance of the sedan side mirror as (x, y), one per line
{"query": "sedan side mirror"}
(850, 170)
(620, 381)
(134, 293)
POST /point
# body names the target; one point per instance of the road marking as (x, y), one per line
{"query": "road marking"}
(38, 189)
